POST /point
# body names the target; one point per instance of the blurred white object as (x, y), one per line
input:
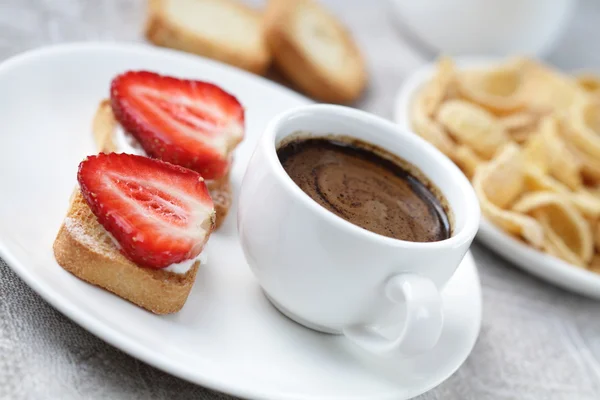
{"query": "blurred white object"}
(486, 27)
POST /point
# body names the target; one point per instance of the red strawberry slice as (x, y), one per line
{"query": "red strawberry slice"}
(159, 213)
(185, 122)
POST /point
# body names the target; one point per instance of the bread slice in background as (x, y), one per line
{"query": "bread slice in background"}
(225, 30)
(314, 50)
(84, 248)
(103, 127)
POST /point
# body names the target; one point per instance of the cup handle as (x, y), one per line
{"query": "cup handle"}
(422, 326)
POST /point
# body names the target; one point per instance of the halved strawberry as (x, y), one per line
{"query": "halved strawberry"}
(190, 123)
(159, 213)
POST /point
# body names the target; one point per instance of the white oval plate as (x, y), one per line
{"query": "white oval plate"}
(227, 337)
(544, 266)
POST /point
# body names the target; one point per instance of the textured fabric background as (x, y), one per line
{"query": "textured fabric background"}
(536, 342)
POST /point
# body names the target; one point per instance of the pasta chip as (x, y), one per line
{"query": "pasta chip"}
(521, 125)
(467, 160)
(563, 165)
(595, 264)
(497, 184)
(435, 91)
(554, 244)
(429, 129)
(567, 232)
(495, 89)
(590, 166)
(589, 82)
(584, 126)
(519, 121)
(473, 126)
(596, 230)
(547, 90)
(594, 191)
(534, 153)
(522, 135)
(536, 180)
(586, 202)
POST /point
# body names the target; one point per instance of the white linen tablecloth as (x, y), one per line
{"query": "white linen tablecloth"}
(536, 341)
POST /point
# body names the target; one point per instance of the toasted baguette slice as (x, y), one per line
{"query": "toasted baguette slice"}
(225, 30)
(104, 125)
(314, 50)
(84, 248)
(220, 193)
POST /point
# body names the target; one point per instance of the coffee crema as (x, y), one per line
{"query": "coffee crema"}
(366, 187)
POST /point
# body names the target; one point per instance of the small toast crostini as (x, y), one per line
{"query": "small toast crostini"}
(190, 123)
(314, 50)
(225, 30)
(136, 227)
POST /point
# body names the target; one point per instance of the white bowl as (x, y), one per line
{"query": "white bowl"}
(491, 27)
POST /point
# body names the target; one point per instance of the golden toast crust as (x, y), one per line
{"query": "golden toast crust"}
(84, 248)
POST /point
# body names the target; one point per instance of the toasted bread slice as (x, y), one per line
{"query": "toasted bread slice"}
(314, 50)
(220, 192)
(104, 125)
(84, 248)
(225, 30)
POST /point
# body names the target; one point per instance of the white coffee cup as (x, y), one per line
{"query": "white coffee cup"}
(333, 276)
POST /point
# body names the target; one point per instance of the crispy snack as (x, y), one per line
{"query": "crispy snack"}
(473, 126)
(528, 137)
(595, 264)
(497, 184)
(589, 82)
(587, 203)
(563, 165)
(584, 126)
(547, 90)
(567, 233)
(521, 125)
(596, 228)
(538, 181)
(497, 89)
(429, 129)
(554, 244)
(590, 166)
(436, 90)
(520, 121)
(521, 135)
(534, 152)
(467, 160)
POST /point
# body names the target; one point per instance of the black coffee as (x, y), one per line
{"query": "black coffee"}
(367, 187)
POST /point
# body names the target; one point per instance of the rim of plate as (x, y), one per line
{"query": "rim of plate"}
(540, 264)
(134, 47)
(107, 333)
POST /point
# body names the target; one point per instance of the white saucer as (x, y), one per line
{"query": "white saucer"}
(228, 336)
(544, 266)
